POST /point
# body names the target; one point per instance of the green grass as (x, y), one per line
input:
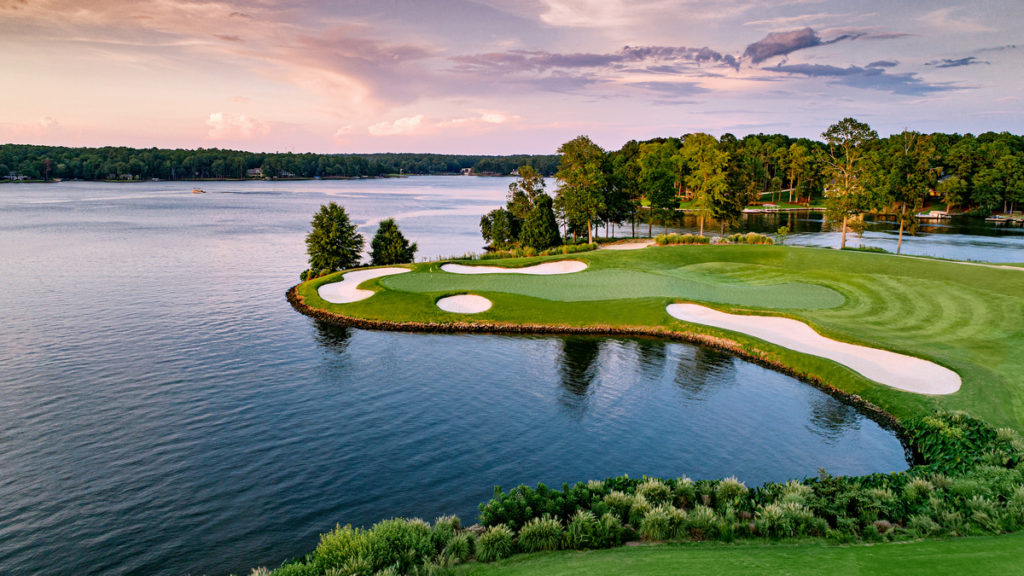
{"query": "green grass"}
(981, 555)
(968, 318)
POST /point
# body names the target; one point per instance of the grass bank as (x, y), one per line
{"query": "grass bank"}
(978, 555)
(967, 318)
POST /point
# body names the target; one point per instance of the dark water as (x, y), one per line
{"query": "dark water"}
(164, 411)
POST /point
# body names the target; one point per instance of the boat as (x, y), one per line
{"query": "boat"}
(934, 215)
(198, 191)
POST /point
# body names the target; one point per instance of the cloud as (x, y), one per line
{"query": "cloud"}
(405, 125)
(949, 20)
(955, 63)
(785, 43)
(234, 127)
(539, 61)
(883, 64)
(866, 78)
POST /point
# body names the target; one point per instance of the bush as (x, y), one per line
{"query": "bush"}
(657, 525)
(701, 523)
(673, 239)
(581, 532)
(684, 492)
(459, 548)
(400, 542)
(338, 546)
(638, 511)
(654, 491)
(444, 530)
(750, 238)
(494, 544)
(609, 531)
(729, 489)
(540, 535)
(619, 503)
(917, 489)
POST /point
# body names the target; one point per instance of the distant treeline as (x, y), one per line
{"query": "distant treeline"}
(20, 161)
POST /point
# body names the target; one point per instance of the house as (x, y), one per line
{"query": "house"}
(254, 172)
(467, 171)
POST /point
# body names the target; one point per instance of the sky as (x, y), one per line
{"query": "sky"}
(498, 76)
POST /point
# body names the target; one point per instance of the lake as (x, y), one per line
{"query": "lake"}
(163, 410)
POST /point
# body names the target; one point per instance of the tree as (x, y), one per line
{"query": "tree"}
(847, 142)
(498, 228)
(708, 177)
(658, 179)
(524, 192)
(333, 244)
(906, 176)
(389, 245)
(581, 183)
(540, 230)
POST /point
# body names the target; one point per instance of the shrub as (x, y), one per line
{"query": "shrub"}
(654, 491)
(657, 525)
(785, 520)
(459, 548)
(399, 542)
(619, 503)
(581, 532)
(751, 238)
(639, 509)
(540, 535)
(917, 489)
(922, 525)
(673, 239)
(297, 569)
(494, 544)
(794, 491)
(729, 490)
(701, 523)
(609, 531)
(444, 530)
(684, 492)
(338, 546)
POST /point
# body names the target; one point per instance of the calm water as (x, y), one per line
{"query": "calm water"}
(164, 411)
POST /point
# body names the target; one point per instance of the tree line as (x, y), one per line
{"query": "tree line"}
(851, 171)
(22, 161)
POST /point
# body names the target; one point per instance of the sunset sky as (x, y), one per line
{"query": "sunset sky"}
(497, 77)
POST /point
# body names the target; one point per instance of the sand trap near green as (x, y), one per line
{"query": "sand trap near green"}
(636, 245)
(895, 370)
(464, 304)
(347, 291)
(545, 269)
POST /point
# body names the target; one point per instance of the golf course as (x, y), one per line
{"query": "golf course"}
(961, 316)
(934, 348)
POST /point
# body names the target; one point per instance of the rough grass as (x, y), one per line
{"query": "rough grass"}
(982, 555)
(968, 318)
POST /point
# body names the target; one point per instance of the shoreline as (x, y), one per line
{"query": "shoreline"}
(753, 355)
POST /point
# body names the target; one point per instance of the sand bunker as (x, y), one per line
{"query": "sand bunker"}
(347, 291)
(889, 368)
(628, 245)
(545, 269)
(464, 304)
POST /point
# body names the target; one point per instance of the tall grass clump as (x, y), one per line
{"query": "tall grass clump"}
(399, 542)
(496, 543)
(750, 238)
(674, 239)
(581, 532)
(540, 535)
(339, 546)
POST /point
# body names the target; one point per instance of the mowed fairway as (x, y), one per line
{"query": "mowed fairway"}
(968, 318)
(981, 555)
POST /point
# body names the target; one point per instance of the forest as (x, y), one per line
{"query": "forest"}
(41, 163)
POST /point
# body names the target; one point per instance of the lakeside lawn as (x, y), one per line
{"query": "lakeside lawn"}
(977, 555)
(965, 317)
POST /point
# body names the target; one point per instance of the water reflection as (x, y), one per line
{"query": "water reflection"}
(830, 418)
(701, 371)
(332, 337)
(578, 369)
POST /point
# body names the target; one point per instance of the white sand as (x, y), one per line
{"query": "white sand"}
(464, 304)
(347, 291)
(545, 269)
(628, 245)
(889, 368)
